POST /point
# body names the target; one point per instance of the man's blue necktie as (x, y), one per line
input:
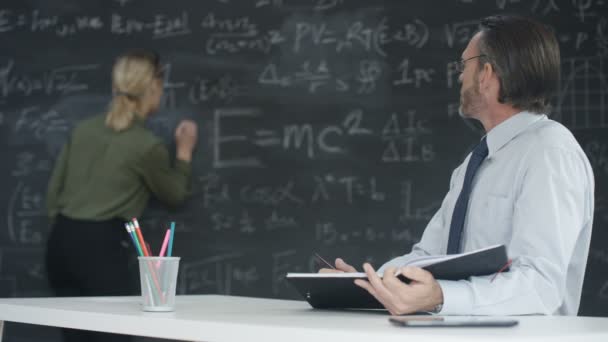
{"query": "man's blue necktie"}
(460, 209)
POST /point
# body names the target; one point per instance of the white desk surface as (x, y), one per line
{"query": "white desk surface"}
(225, 319)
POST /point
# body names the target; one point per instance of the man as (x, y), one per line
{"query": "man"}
(527, 185)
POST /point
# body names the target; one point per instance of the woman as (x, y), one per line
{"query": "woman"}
(104, 176)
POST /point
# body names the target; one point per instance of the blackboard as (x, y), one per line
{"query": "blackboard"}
(326, 126)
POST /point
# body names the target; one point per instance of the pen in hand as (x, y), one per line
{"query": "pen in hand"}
(326, 263)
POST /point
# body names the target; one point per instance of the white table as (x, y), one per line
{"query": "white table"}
(225, 319)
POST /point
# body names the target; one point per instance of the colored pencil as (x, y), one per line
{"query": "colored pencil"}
(169, 252)
(142, 242)
(163, 248)
(133, 239)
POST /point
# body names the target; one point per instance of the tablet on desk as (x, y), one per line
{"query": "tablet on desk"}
(451, 322)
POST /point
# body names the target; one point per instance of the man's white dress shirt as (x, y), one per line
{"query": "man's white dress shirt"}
(534, 194)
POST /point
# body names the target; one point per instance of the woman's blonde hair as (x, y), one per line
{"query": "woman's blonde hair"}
(132, 75)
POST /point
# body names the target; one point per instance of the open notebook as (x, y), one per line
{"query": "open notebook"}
(337, 290)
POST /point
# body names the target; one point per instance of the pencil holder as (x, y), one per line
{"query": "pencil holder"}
(158, 279)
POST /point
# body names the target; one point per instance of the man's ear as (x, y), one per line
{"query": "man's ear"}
(489, 85)
(485, 76)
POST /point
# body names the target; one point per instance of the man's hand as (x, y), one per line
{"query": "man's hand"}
(423, 293)
(341, 267)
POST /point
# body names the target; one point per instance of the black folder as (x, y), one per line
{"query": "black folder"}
(338, 290)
